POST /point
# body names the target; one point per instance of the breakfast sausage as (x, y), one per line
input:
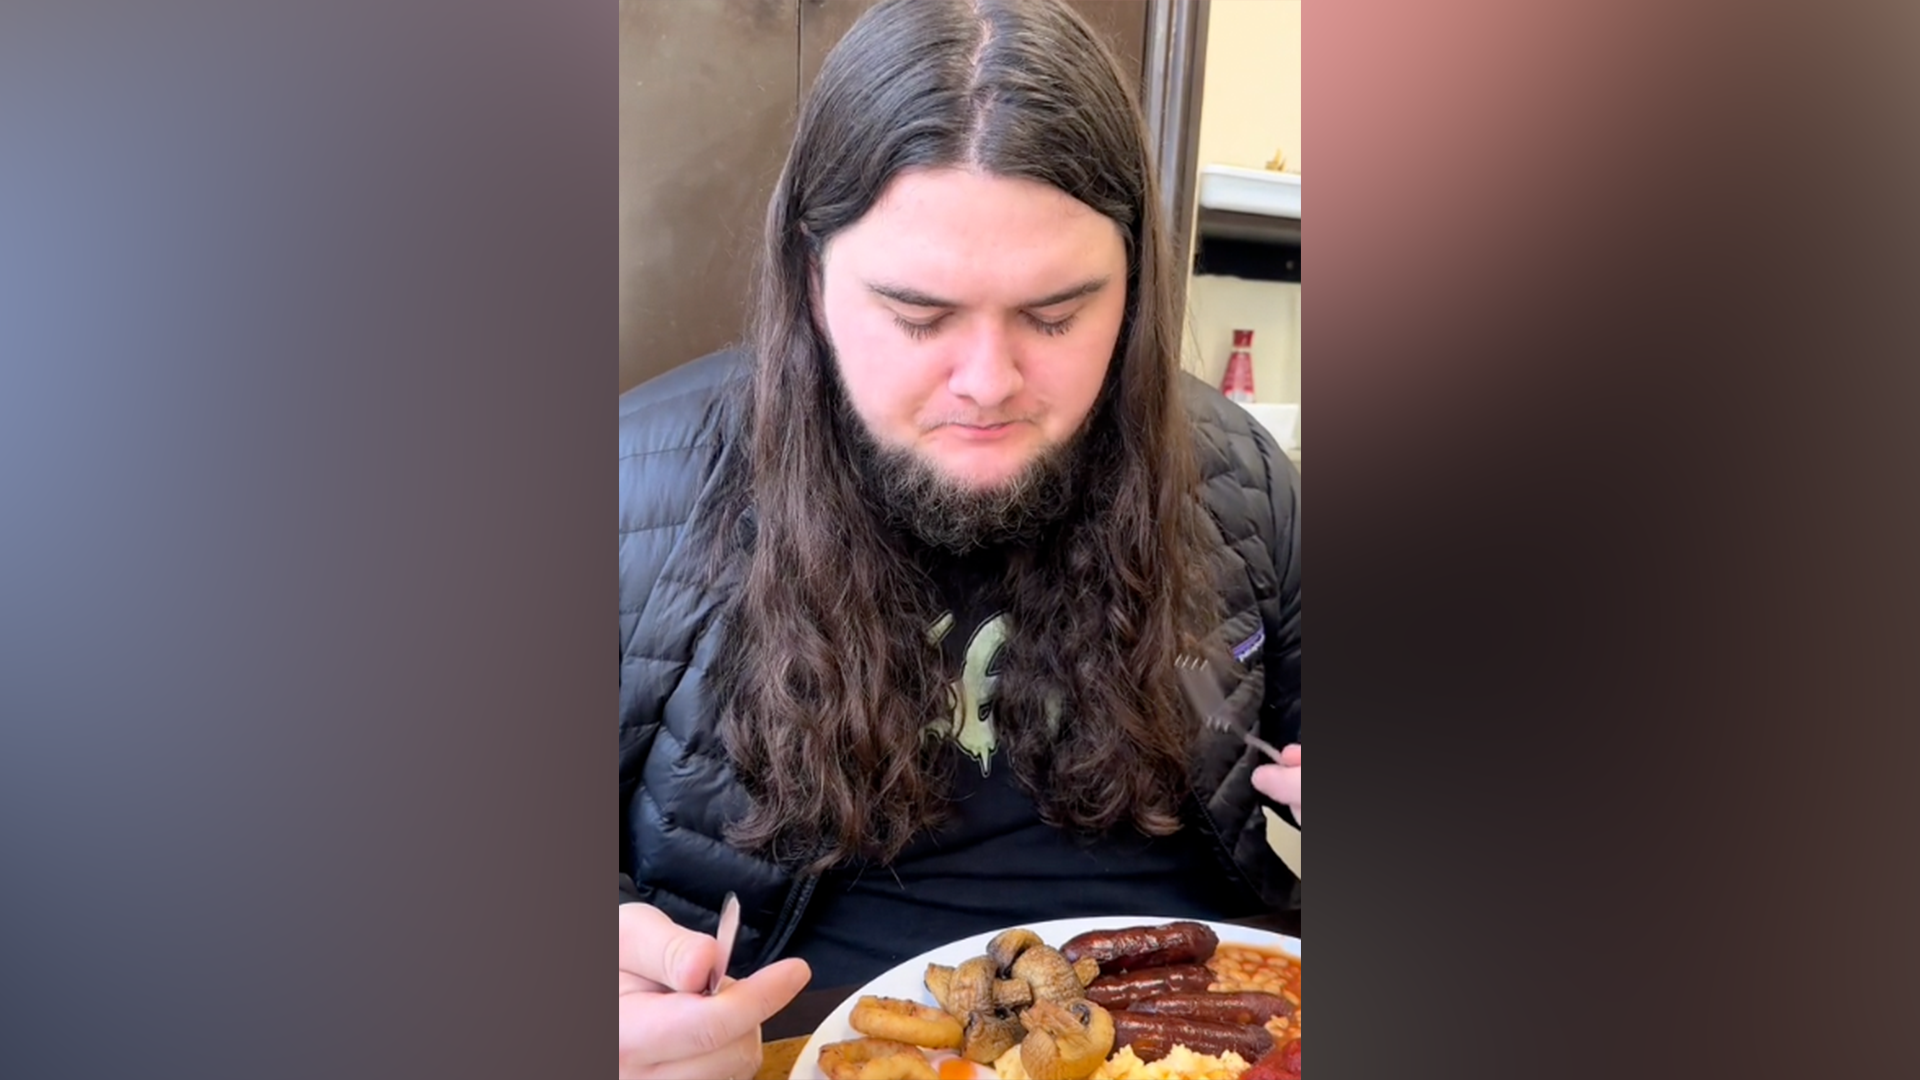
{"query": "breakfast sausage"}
(1282, 1064)
(1154, 1037)
(1144, 946)
(1249, 1007)
(1122, 990)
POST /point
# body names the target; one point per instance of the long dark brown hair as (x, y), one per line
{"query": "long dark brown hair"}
(829, 680)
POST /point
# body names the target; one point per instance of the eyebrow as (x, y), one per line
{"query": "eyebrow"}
(916, 298)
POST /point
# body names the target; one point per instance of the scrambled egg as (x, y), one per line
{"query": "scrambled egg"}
(1180, 1064)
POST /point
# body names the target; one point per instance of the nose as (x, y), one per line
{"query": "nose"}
(986, 371)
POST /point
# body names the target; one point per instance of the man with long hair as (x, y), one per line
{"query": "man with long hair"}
(903, 581)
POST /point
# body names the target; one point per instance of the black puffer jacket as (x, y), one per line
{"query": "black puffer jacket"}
(677, 789)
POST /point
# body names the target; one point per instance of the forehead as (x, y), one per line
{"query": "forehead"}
(958, 228)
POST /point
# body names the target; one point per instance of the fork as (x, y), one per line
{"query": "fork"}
(1203, 693)
(729, 924)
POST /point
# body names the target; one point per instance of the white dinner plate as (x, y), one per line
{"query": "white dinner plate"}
(908, 979)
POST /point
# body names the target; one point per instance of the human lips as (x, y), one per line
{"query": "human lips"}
(982, 430)
(975, 431)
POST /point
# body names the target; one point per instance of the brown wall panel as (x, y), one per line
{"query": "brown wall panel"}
(822, 24)
(1124, 24)
(707, 96)
(825, 22)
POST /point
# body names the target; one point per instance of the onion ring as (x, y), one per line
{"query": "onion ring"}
(908, 1022)
(875, 1059)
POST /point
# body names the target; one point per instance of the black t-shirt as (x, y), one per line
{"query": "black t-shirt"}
(994, 863)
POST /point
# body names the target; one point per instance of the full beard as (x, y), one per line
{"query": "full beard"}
(915, 497)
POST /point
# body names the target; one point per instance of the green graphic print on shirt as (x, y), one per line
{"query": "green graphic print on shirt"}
(971, 724)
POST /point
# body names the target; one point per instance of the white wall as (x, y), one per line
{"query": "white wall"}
(1217, 306)
(1250, 108)
(1251, 103)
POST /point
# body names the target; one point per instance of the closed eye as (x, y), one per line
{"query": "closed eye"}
(1051, 328)
(922, 330)
(919, 331)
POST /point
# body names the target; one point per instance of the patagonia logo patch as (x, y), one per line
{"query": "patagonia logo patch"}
(1251, 645)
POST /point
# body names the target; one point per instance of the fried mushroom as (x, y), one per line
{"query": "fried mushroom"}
(1012, 994)
(1050, 975)
(970, 990)
(1065, 1042)
(988, 1035)
(1007, 946)
(940, 985)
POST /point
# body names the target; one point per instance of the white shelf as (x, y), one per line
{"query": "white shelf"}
(1250, 191)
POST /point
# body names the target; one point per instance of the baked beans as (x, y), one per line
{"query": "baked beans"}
(1244, 967)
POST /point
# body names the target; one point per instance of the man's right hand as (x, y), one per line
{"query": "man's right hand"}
(1281, 782)
(669, 1028)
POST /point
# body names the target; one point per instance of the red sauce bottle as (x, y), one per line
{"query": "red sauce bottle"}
(1238, 384)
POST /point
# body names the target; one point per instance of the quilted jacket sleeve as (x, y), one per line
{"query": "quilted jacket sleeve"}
(1283, 652)
(671, 431)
